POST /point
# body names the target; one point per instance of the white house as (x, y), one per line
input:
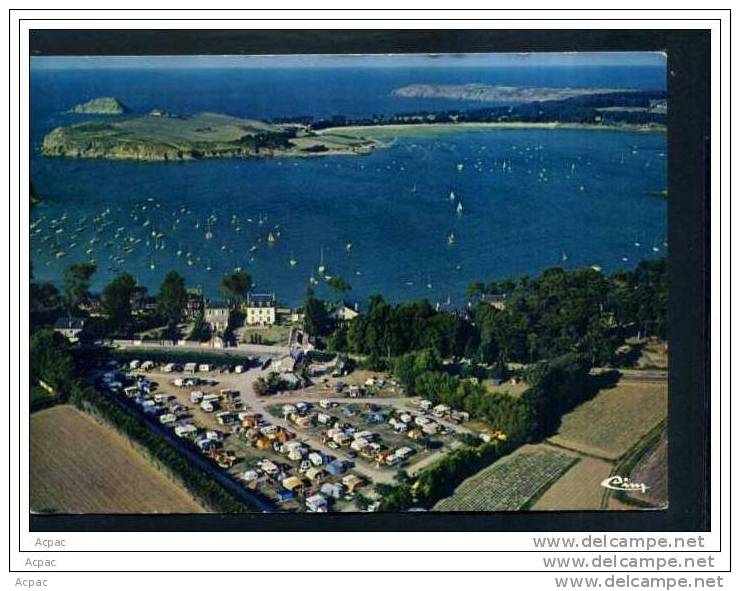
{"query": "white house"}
(344, 312)
(261, 309)
(217, 315)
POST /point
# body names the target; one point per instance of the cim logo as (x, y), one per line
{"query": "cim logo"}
(623, 483)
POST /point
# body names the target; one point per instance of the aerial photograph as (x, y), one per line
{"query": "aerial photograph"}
(348, 283)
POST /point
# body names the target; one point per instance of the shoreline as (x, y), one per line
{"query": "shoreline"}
(482, 126)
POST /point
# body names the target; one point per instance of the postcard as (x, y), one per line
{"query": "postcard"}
(348, 283)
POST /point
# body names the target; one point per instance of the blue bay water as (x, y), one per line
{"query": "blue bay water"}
(528, 196)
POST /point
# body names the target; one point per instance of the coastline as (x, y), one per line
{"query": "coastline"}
(177, 142)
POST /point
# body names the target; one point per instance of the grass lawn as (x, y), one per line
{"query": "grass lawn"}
(277, 334)
(515, 390)
(174, 355)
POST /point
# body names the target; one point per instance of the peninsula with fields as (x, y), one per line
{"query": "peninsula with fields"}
(161, 136)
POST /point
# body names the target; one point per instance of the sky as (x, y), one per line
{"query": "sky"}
(498, 60)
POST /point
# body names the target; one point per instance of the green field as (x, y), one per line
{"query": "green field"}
(511, 483)
(179, 356)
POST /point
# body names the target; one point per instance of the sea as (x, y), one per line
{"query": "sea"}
(420, 218)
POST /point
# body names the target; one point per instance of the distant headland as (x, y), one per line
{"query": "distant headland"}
(105, 105)
(163, 136)
(497, 93)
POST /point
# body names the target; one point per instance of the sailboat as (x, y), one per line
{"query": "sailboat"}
(271, 238)
(459, 167)
(459, 208)
(452, 195)
(348, 246)
(451, 239)
(564, 257)
(292, 261)
(209, 234)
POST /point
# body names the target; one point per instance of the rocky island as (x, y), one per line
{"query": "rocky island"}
(160, 136)
(106, 105)
(496, 93)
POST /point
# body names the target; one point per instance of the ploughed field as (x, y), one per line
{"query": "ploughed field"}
(78, 465)
(511, 483)
(578, 489)
(611, 423)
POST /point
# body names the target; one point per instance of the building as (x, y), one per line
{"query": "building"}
(261, 309)
(194, 304)
(343, 312)
(217, 315)
(70, 327)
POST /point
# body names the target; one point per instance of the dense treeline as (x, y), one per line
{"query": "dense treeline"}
(579, 311)
(387, 331)
(582, 109)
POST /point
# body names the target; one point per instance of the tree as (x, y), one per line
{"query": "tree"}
(402, 477)
(51, 361)
(173, 297)
(76, 284)
(315, 316)
(475, 290)
(201, 330)
(260, 386)
(116, 300)
(236, 286)
(338, 284)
